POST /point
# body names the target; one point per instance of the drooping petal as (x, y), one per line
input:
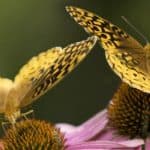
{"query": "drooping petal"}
(95, 134)
(132, 143)
(106, 145)
(110, 135)
(66, 128)
(88, 129)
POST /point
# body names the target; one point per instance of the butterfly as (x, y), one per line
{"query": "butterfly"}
(39, 75)
(125, 55)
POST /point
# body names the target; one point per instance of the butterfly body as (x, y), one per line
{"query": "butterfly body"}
(8, 104)
(40, 74)
(125, 55)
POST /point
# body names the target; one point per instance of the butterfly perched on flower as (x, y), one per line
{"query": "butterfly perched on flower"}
(125, 55)
(39, 75)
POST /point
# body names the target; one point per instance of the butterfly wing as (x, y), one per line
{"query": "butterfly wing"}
(42, 72)
(32, 72)
(110, 35)
(125, 55)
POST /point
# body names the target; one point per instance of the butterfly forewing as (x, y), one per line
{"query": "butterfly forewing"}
(41, 73)
(32, 72)
(126, 56)
(110, 35)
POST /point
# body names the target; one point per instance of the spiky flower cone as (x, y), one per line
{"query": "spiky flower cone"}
(129, 112)
(33, 135)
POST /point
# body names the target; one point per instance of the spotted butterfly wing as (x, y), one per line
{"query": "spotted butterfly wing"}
(12, 93)
(44, 71)
(126, 56)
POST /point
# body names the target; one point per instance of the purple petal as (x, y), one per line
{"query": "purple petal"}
(109, 134)
(94, 134)
(66, 128)
(106, 145)
(88, 129)
(132, 143)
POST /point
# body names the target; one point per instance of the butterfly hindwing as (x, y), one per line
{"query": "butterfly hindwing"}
(126, 56)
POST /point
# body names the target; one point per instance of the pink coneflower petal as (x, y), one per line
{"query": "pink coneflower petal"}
(107, 145)
(66, 128)
(109, 134)
(95, 134)
(88, 129)
(132, 143)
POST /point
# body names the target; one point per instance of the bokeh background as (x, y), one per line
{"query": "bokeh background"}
(29, 27)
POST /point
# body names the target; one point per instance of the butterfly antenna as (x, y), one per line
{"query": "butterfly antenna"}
(135, 29)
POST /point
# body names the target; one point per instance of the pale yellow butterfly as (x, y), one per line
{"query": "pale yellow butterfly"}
(127, 57)
(40, 74)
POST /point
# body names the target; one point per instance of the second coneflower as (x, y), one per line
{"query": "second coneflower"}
(129, 112)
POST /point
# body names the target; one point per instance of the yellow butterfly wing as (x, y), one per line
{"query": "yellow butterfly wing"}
(127, 57)
(42, 72)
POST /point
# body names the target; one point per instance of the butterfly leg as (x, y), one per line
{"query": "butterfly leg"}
(26, 118)
(27, 113)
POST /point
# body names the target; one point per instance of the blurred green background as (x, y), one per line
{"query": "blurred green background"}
(29, 27)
